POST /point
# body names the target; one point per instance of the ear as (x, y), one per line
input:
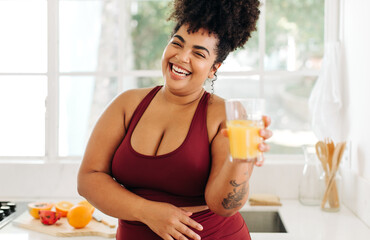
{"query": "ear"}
(214, 69)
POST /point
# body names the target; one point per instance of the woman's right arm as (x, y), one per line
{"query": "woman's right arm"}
(96, 184)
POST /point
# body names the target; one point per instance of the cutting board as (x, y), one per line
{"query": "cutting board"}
(62, 228)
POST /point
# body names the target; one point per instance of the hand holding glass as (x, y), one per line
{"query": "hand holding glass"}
(244, 121)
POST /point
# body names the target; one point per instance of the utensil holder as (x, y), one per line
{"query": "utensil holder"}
(331, 192)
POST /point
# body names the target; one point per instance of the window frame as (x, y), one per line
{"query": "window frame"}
(53, 74)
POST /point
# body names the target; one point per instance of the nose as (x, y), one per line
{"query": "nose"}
(183, 56)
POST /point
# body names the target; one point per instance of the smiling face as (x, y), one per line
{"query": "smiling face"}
(188, 60)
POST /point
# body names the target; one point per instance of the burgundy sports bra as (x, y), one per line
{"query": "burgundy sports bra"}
(178, 177)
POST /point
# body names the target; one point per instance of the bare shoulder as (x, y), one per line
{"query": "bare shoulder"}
(132, 95)
(216, 106)
(127, 101)
(216, 115)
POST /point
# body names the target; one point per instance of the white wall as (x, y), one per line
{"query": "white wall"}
(356, 44)
(28, 180)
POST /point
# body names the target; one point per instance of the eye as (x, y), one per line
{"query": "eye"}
(200, 54)
(176, 44)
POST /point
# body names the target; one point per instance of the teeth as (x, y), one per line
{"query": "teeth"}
(179, 74)
(179, 71)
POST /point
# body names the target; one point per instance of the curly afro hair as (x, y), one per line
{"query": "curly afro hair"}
(232, 21)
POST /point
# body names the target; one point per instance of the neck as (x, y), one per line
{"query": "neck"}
(181, 99)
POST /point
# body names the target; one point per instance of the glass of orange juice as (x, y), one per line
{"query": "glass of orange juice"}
(244, 121)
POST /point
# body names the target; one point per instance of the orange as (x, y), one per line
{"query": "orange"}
(79, 216)
(63, 207)
(87, 204)
(35, 207)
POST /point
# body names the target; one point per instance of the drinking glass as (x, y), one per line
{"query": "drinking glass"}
(244, 121)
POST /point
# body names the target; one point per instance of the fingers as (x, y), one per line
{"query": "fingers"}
(263, 147)
(187, 213)
(265, 133)
(167, 237)
(183, 231)
(174, 224)
(266, 121)
(184, 228)
(260, 163)
(190, 222)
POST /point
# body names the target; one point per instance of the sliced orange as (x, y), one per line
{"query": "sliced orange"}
(87, 204)
(79, 216)
(35, 207)
(63, 207)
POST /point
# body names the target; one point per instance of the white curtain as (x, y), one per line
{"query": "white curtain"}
(326, 100)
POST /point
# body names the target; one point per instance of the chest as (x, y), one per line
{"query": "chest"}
(170, 155)
(161, 130)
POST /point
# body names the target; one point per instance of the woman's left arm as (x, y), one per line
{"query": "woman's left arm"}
(227, 189)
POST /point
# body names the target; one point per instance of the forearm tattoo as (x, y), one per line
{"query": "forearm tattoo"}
(234, 198)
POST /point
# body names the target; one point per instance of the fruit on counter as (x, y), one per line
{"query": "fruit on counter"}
(49, 217)
(35, 207)
(87, 204)
(79, 216)
(63, 207)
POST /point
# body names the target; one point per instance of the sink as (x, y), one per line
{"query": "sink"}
(263, 221)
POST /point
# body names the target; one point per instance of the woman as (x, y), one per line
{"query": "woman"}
(157, 158)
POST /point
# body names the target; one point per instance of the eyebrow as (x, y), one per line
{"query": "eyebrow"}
(195, 46)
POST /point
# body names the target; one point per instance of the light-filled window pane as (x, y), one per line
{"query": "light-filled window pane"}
(22, 121)
(236, 87)
(88, 35)
(287, 105)
(82, 100)
(244, 59)
(130, 82)
(294, 34)
(150, 32)
(23, 41)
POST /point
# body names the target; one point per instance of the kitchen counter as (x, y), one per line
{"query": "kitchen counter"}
(301, 223)
(311, 223)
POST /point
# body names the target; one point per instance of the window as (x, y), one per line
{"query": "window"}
(63, 61)
(23, 82)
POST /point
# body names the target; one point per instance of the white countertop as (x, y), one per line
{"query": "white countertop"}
(301, 222)
(311, 223)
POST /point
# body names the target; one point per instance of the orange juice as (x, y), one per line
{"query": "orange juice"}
(244, 138)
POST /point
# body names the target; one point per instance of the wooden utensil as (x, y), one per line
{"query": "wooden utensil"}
(337, 156)
(330, 147)
(322, 154)
(333, 196)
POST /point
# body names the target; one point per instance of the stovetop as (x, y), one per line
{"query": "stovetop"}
(10, 210)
